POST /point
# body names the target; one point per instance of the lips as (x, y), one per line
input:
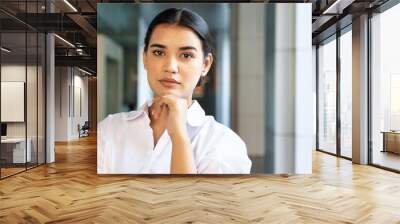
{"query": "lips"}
(169, 81)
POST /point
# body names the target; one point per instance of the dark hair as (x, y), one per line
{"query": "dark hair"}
(186, 18)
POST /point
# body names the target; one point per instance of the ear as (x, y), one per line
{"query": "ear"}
(207, 64)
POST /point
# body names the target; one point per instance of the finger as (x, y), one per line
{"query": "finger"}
(164, 113)
(154, 110)
(156, 106)
(169, 100)
(160, 111)
(174, 101)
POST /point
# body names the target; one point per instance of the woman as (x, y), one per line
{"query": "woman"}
(171, 133)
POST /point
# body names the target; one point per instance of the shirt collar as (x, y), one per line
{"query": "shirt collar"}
(195, 113)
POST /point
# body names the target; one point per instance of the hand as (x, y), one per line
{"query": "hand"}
(172, 110)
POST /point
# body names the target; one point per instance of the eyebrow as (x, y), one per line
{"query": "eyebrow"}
(187, 48)
(181, 48)
(158, 45)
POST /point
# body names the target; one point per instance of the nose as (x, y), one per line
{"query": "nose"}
(171, 65)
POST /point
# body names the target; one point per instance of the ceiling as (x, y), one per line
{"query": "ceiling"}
(76, 22)
(332, 15)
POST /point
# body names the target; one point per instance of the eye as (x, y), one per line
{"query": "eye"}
(187, 55)
(157, 53)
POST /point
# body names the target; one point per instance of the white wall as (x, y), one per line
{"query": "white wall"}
(17, 73)
(80, 83)
(12, 100)
(67, 115)
(251, 60)
(314, 84)
(61, 103)
(33, 127)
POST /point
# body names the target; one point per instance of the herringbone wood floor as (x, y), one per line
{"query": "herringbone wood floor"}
(70, 191)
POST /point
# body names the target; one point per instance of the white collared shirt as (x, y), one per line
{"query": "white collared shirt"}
(125, 145)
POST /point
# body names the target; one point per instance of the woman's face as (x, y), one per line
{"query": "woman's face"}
(175, 61)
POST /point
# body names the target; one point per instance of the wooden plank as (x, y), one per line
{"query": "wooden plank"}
(70, 191)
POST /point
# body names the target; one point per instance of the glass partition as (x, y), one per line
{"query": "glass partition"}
(346, 94)
(31, 100)
(14, 153)
(22, 88)
(41, 85)
(385, 89)
(327, 97)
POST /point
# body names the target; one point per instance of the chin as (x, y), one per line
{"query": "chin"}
(174, 92)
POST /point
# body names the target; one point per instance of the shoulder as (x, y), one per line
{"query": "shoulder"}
(220, 133)
(116, 120)
(215, 138)
(109, 120)
(221, 150)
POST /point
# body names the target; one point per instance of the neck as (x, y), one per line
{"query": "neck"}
(190, 101)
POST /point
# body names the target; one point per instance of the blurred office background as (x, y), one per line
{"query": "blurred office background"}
(260, 87)
(260, 81)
